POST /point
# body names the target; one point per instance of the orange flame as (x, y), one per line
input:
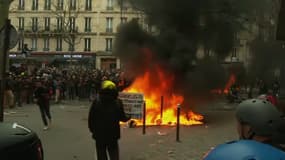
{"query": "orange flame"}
(153, 85)
(231, 81)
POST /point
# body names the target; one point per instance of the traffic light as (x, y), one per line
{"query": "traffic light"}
(280, 35)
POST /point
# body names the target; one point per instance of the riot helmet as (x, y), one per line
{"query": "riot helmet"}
(245, 150)
(263, 118)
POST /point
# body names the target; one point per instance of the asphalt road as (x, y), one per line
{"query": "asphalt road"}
(69, 138)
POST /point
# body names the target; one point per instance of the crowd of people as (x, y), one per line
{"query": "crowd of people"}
(260, 124)
(237, 93)
(63, 84)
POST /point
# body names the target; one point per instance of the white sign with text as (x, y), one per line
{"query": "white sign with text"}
(133, 104)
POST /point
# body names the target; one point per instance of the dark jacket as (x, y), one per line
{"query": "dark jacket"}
(42, 95)
(104, 118)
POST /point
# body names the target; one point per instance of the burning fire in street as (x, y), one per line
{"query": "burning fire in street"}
(152, 94)
(231, 81)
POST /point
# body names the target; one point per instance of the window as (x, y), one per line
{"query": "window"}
(234, 53)
(72, 5)
(109, 27)
(207, 52)
(35, 24)
(88, 5)
(124, 20)
(21, 23)
(59, 4)
(109, 44)
(110, 4)
(20, 44)
(21, 5)
(71, 43)
(87, 24)
(72, 24)
(87, 44)
(59, 44)
(47, 23)
(124, 5)
(35, 5)
(47, 4)
(59, 21)
(46, 44)
(34, 44)
(237, 44)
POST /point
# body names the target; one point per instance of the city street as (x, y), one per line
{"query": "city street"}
(69, 137)
(167, 59)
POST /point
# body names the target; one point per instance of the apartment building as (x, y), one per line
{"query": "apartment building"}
(70, 30)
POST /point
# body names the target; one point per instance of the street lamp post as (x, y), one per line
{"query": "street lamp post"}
(122, 2)
(4, 47)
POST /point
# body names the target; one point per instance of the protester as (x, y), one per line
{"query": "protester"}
(41, 96)
(262, 87)
(261, 129)
(63, 84)
(261, 121)
(276, 88)
(104, 121)
(245, 150)
(271, 98)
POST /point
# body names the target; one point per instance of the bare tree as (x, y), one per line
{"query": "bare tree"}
(66, 13)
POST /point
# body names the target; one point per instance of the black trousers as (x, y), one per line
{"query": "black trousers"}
(112, 147)
(45, 111)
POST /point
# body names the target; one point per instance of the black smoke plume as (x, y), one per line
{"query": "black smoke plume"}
(267, 61)
(180, 28)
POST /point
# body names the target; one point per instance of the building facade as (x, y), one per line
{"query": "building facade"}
(70, 29)
(76, 29)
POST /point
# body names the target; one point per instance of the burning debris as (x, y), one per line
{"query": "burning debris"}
(225, 90)
(154, 84)
(164, 62)
(175, 44)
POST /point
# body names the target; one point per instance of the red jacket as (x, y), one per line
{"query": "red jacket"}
(272, 99)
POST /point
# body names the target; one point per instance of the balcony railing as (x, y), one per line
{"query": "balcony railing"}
(109, 30)
(110, 8)
(47, 28)
(34, 49)
(125, 8)
(34, 8)
(47, 7)
(34, 28)
(87, 49)
(48, 32)
(73, 30)
(88, 8)
(45, 49)
(109, 49)
(87, 30)
(58, 49)
(71, 49)
(59, 7)
(72, 7)
(21, 7)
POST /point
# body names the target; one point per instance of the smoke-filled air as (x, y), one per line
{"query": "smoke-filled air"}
(187, 39)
